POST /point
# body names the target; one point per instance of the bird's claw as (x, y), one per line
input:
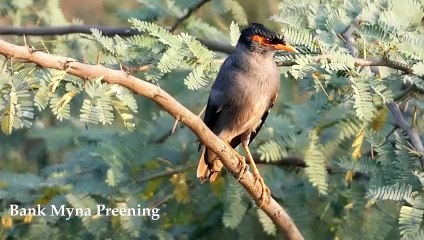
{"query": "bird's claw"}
(265, 197)
(243, 168)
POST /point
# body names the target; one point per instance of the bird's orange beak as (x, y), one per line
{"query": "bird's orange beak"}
(286, 47)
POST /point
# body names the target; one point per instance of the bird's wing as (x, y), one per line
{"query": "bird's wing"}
(217, 96)
(213, 108)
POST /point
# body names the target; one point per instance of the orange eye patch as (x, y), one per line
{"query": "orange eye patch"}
(267, 42)
(261, 40)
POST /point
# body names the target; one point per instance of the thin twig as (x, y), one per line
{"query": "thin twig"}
(163, 201)
(288, 161)
(388, 136)
(45, 47)
(360, 62)
(190, 11)
(165, 173)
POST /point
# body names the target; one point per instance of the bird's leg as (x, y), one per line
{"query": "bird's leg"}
(266, 193)
(241, 165)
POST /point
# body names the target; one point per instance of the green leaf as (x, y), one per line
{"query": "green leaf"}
(234, 33)
(234, 206)
(394, 192)
(237, 11)
(196, 79)
(267, 223)
(316, 170)
(418, 68)
(410, 220)
(365, 109)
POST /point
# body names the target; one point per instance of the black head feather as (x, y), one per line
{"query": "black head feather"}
(261, 30)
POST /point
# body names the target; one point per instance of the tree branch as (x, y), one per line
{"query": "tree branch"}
(212, 45)
(165, 173)
(411, 131)
(350, 40)
(107, 31)
(190, 11)
(86, 71)
(63, 30)
(299, 162)
(361, 62)
(288, 161)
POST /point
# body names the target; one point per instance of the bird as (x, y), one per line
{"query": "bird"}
(243, 93)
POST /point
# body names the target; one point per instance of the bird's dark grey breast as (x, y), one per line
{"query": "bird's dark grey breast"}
(245, 93)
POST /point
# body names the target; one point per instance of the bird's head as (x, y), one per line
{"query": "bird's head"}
(258, 38)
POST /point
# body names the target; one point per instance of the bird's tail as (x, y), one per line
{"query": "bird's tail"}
(209, 166)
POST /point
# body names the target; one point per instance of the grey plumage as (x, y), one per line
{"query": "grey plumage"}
(244, 91)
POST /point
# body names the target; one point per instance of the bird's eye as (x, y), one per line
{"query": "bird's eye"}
(267, 41)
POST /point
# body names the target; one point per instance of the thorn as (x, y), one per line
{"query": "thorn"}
(414, 118)
(11, 66)
(45, 47)
(175, 126)
(201, 112)
(99, 56)
(31, 49)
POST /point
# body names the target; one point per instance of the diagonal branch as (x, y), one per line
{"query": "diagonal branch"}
(348, 35)
(86, 71)
(411, 131)
(190, 11)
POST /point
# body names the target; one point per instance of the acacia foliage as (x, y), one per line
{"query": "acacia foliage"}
(362, 178)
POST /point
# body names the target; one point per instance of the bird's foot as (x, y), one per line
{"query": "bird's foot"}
(265, 197)
(242, 165)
